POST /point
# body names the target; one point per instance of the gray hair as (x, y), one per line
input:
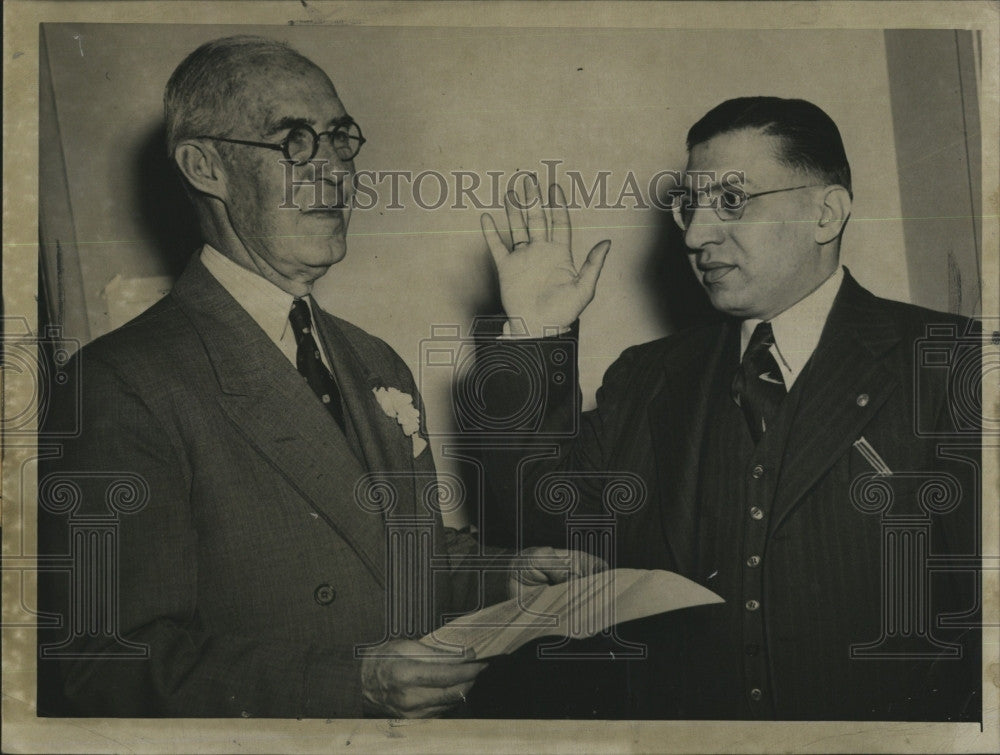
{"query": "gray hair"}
(204, 94)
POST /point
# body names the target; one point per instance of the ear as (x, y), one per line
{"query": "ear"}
(836, 209)
(202, 168)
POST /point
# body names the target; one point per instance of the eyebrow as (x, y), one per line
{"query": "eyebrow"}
(290, 121)
(709, 188)
(716, 186)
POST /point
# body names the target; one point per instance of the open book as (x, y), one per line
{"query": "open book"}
(579, 608)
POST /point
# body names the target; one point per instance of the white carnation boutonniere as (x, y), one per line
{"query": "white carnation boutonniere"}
(399, 406)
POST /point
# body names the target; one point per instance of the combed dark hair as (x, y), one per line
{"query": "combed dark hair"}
(204, 94)
(809, 137)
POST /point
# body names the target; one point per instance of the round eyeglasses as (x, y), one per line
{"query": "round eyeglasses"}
(729, 203)
(302, 142)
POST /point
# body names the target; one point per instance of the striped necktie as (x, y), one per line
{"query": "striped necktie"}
(758, 387)
(310, 363)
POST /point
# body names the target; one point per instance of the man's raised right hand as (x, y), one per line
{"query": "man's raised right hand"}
(539, 282)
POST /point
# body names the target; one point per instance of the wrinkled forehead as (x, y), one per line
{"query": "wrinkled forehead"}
(747, 158)
(287, 88)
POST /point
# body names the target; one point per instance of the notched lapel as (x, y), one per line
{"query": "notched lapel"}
(843, 387)
(677, 416)
(275, 410)
(385, 447)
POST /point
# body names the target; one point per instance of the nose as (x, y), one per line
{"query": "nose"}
(703, 229)
(326, 151)
(333, 170)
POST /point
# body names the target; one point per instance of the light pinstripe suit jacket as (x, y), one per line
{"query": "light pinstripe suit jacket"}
(252, 573)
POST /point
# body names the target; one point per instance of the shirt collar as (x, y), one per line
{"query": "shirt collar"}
(798, 328)
(267, 304)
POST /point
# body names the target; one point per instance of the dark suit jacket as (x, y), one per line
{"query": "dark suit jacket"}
(252, 572)
(824, 561)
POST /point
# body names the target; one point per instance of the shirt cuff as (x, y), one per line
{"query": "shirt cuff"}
(519, 332)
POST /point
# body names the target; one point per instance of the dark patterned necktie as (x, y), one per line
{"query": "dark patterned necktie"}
(758, 387)
(310, 363)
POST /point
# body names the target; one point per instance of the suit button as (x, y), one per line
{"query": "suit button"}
(756, 513)
(324, 594)
(756, 694)
(753, 561)
(752, 650)
(752, 605)
(862, 399)
(757, 472)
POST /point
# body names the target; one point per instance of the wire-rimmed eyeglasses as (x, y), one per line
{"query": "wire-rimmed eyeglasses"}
(302, 142)
(729, 203)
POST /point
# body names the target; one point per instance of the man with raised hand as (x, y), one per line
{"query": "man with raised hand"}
(778, 450)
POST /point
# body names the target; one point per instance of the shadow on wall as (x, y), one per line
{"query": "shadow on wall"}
(164, 209)
(679, 300)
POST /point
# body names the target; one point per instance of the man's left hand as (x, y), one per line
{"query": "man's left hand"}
(551, 566)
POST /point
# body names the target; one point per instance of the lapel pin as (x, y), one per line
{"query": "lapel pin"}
(872, 456)
(862, 399)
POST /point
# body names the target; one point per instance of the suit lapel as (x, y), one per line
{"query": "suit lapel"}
(275, 410)
(842, 388)
(384, 446)
(677, 417)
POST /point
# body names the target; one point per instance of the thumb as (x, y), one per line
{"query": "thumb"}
(434, 651)
(591, 268)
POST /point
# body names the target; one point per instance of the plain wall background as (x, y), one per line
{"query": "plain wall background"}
(477, 100)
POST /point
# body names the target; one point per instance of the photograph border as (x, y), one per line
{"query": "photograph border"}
(24, 732)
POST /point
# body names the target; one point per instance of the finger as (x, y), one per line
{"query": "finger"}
(560, 230)
(533, 577)
(554, 576)
(585, 565)
(582, 563)
(419, 673)
(422, 651)
(537, 228)
(493, 240)
(588, 563)
(426, 712)
(550, 574)
(591, 268)
(515, 218)
(445, 652)
(422, 702)
(547, 565)
(577, 564)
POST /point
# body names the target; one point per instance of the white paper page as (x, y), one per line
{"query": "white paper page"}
(579, 608)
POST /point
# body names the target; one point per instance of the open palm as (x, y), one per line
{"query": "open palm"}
(539, 282)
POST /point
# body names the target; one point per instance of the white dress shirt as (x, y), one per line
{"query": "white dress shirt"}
(267, 304)
(798, 328)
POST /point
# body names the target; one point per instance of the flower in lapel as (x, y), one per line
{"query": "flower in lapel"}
(399, 406)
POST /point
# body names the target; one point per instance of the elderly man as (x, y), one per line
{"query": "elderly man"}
(251, 577)
(787, 454)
